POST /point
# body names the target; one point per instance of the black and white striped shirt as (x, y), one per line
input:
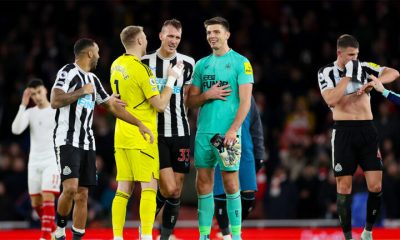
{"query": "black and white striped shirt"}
(74, 121)
(330, 75)
(173, 122)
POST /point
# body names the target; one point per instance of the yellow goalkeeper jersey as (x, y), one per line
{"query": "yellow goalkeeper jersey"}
(135, 83)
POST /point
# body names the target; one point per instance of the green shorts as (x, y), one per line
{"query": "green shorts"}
(206, 155)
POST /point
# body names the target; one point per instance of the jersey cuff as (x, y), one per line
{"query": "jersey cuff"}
(22, 107)
(385, 93)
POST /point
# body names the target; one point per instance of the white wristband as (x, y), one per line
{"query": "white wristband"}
(170, 82)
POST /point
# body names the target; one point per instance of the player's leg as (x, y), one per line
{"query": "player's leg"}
(146, 171)
(166, 172)
(172, 174)
(344, 165)
(68, 159)
(172, 204)
(374, 183)
(371, 163)
(248, 184)
(220, 204)
(50, 189)
(34, 188)
(124, 190)
(204, 182)
(233, 201)
(205, 162)
(87, 178)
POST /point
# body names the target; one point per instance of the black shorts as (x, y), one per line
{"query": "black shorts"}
(77, 163)
(355, 143)
(174, 152)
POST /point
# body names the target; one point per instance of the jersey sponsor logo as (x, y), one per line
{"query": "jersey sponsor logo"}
(66, 171)
(208, 84)
(247, 68)
(86, 102)
(338, 167)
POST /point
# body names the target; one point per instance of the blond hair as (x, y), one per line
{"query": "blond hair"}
(129, 34)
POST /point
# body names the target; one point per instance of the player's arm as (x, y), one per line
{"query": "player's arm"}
(117, 109)
(21, 121)
(333, 95)
(59, 98)
(161, 101)
(244, 106)
(389, 75)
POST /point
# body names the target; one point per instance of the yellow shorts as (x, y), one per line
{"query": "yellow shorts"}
(137, 164)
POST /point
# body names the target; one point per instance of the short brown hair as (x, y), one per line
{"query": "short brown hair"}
(346, 40)
(217, 20)
(129, 34)
(172, 22)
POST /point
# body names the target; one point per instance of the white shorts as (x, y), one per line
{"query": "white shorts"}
(43, 177)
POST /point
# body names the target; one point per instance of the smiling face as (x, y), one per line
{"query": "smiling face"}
(217, 36)
(170, 38)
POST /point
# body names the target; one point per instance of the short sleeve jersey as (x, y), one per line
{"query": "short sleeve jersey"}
(216, 116)
(135, 83)
(330, 76)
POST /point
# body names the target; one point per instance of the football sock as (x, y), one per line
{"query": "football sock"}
(205, 214)
(160, 200)
(234, 209)
(221, 215)
(77, 233)
(48, 213)
(147, 210)
(248, 200)
(118, 211)
(373, 208)
(170, 216)
(344, 211)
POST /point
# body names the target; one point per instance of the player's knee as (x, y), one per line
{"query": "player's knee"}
(172, 191)
(70, 191)
(375, 188)
(81, 198)
(231, 187)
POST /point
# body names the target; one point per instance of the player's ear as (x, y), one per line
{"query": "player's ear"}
(228, 34)
(160, 35)
(90, 53)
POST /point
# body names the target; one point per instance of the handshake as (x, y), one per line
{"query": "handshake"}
(353, 70)
(230, 155)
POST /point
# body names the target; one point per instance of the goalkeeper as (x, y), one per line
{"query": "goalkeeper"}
(252, 157)
(222, 85)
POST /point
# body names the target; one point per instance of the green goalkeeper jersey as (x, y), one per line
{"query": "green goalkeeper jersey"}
(216, 116)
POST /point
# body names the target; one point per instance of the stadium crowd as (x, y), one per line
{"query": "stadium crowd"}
(286, 41)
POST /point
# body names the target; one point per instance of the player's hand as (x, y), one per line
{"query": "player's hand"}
(25, 97)
(145, 131)
(87, 88)
(218, 92)
(176, 71)
(376, 84)
(230, 138)
(118, 100)
(353, 70)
